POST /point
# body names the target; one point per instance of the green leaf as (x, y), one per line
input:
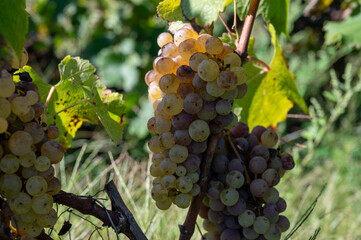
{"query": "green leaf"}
(170, 10)
(14, 24)
(270, 94)
(272, 11)
(80, 97)
(347, 32)
(203, 11)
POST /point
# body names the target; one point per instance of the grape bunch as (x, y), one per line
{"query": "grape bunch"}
(27, 151)
(242, 201)
(192, 86)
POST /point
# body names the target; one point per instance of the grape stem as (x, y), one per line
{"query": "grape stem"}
(247, 29)
(227, 28)
(187, 229)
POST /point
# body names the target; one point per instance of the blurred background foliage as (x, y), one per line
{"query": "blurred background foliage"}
(119, 38)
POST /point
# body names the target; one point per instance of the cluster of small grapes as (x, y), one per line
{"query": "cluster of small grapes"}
(192, 87)
(242, 201)
(27, 152)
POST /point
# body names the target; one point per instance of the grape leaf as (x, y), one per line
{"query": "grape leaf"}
(272, 11)
(80, 97)
(346, 32)
(170, 10)
(270, 95)
(203, 11)
(14, 24)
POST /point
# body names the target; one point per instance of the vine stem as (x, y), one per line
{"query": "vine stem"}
(227, 28)
(187, 229)
(247, 29)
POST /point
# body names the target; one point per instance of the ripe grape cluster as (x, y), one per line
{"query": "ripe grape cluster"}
(242, 201)
(27, 152)
(192, 86)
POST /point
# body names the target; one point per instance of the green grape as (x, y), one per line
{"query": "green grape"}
(7, 86)
(155, 170)
(250, 234)
(230, 94)
(42, 204)
(227, 80)
(240, 73)
(182, 200)
(246, 219)
(154, 145)
(36, 131)
(10, 185)
(167, 140)
(47, 220)
(208, 70)
(271, 196)
(28, 172)
(214, 90)
(28, 159)
(164, 203)
(29, 216)
(202, 41)
(32, 97)
(154, 90)
(28, 116)
(261, 225)
(183, 34)
(42, 163)
(9, 164)
(170, 50)
(169, 83)
(20, 105)
(194, 176)
(181, 171)
(229, 196)
(53, 150)
(269, 138)
(184, 184)
(162, 125)
(21, 203)
(214, 45)
(172, 104)
(167, 166)
(273, 233)
(5, 108)
(223, 107)
(235, 179)
(196, 189)
(36, 186)
(33, 229)
(164, 38)
(165, 65)
(20, 143)
(54, 186)
(168, 181)
(158, 158)
(196, 59)
(199, 130)
(188, 47)
(232, 60)
(178, 153)
(3, 125)
(226, 50)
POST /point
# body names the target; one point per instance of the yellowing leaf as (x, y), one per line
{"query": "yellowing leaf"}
(170, 10)
(270, 95)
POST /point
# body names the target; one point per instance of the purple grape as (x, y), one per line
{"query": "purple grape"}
(249, 233)
(273, 152)
(260, 151)
(223, 120)
(185, 74)
(242, 90)
(287, 161)
(270, 210)
(182, 137)
(230, 234)
(252, 141)
(258, 131)
(241, 144)
(243, 194)
(215, 128)
(197, 147)
(192, 103)
(271, 176)
(221, 147)
(213, 193)
(182, 120)
(221, 227)
(236, 164)
(192, 163)
(281, 205)
(231, 222)
(198, 83)
(258, 187)
(275, 163)
(283, 223)
(274, 232)
(238, 208)
(257, 165)
(240, 130)
(216, 205)
(215, 217)
(220, 163)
